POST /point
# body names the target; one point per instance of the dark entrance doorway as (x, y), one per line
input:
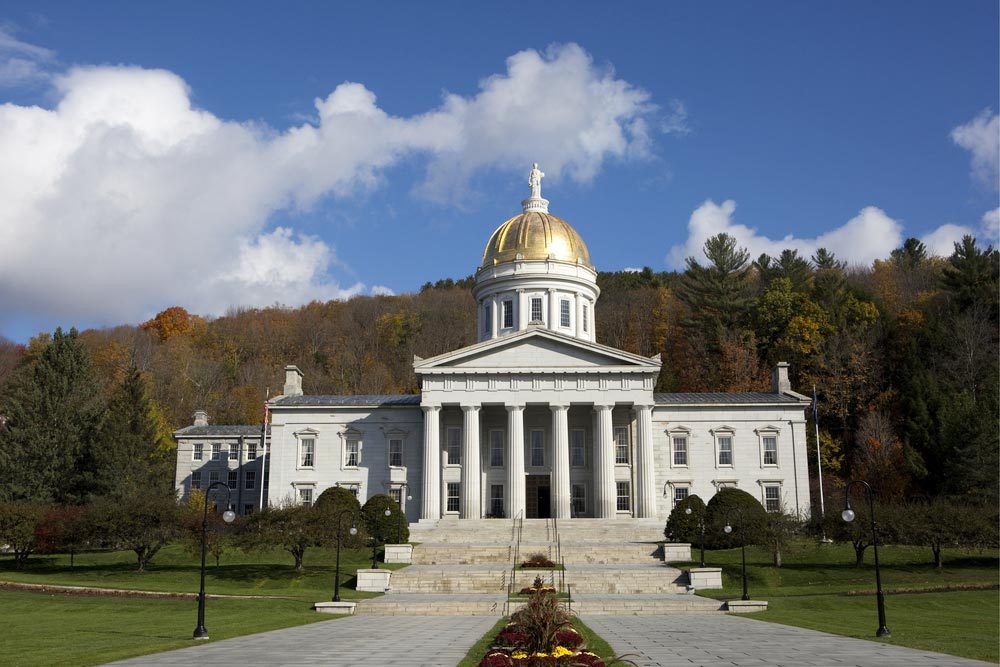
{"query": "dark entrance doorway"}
(538, 497)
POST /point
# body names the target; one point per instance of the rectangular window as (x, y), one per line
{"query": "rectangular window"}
(564, 313)
(536, 309)
(453, 437)
(352, 453)
(680, 451)
(624, 497)
(621, 444)
(216, 451)
(234, 479)
(249, 479)
(251, 451)
(396, 493)
(306, 497)
(770, 450)
(537, 447)
(680, 493)
(213, 477)
(396, 452)
(496, 448)
(196, 479)
(772, 498)
(725, 450)
(307, 453)
(496, 500)
(198, 452)
(578, 499)
(487, 313)
(586, 318)
(508, 314)
(234, 452)
(453, 497)
(247, 509)
(577, 448)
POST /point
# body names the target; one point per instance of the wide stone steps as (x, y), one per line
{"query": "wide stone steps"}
(538, 530)
(417, 604)
(572, 552)
(644, 604)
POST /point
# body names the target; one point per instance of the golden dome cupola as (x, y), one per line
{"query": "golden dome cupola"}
(536, 271)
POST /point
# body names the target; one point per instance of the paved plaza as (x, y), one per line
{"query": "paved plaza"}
(714, 640)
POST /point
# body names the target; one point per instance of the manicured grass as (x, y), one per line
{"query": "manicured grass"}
(478, 651)
(175, 569)
(42, 629)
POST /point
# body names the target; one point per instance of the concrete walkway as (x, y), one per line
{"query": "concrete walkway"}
(715, 640)
(366, 641)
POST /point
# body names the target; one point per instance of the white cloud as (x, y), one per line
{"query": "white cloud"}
(942, 240)
(981, 137)
(381, 290)
(21, 63)
(990, 225)
(124, 198)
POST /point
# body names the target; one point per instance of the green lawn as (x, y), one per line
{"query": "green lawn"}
(174, 569)
(42, 629)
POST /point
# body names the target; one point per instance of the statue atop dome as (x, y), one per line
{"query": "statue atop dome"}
(535, 181)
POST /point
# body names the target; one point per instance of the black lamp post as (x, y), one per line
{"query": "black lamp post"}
(743, 546)
(701, 525)
(375, 537)
(228, 516)
(340, 530)
(399, 518)
(848, 515)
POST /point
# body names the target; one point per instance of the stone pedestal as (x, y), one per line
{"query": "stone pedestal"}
(373, 581)
(705, 577)
(398, 553)
(676, 551)
(746, 606)
(335, 607)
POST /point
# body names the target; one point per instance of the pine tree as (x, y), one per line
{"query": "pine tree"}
(794, 267)
(718, 294)
(972, 275)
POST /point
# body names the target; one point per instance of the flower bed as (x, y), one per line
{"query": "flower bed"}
(537, 561)
(537, 587)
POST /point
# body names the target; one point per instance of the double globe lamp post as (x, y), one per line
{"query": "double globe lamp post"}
(848, 515)
(340, 533)
(743, 545)
(228, 516)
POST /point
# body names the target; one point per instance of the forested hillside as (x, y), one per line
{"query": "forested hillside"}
(903, 353)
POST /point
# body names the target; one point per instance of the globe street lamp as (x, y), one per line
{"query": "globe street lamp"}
(848, 516)
(375, 537)
(399, 520)
(228, 516)
(701, 525)
(743, 545)
(340, 530)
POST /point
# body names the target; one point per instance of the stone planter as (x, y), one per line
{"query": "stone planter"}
(373, 581)
(705, 577)
(675, 551)
(335, 607)
(398, 553)
(746, 606)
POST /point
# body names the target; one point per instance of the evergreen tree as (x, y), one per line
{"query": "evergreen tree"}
(718, 294)
(910, 255)
(52, 408)
(972, 275)
(796, 269)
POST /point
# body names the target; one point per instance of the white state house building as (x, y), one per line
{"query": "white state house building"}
(536, 419)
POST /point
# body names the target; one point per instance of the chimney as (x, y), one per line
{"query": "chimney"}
(779, 378)
(293, 381)
(200, 418)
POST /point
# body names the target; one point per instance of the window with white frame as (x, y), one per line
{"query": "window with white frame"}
(453, 501)
(213, 477)
(724, 443)
(234, 479)
(770, 447)
(680, 447)
(680, 493)
(537, 438)
(564, 313)
(621, 444)
(306, 496)
(536, 309)
(496, 500)
(508, 314)
(198, 453)
(496, 448)
(578, 499)
(196, 479)
(453, 444)
(577, 448)
(772, 497)
(234, 452)
(624, 503)
(249, 479)
(586, 318)
(251, 451)
(307, 452)
(216, 451)
(396, 493)
(352, 452)
(487, 317)
(396, 452)
(354, 488)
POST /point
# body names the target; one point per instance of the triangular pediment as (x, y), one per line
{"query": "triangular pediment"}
(536, 349)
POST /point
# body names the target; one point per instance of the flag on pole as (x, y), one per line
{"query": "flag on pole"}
(815, 407)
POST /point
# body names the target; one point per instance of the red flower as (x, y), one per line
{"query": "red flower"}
(496, 659)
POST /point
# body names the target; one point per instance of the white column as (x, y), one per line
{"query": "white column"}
(553, 310)
(645, 496)
(471, 500)
(560, 461)
(522, 311)
(494, 315)
(578, 318)
(515, 460)
(604, 464)
(431, 508)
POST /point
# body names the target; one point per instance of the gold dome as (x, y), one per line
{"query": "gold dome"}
(535, 235)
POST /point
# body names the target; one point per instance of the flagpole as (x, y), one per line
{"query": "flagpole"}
(263, 444)
(819, 465)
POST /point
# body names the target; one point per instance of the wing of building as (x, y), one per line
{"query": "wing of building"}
(536, 419)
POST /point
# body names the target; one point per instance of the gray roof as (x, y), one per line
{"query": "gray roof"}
(724, 398)
(221, 430)
(363, 400)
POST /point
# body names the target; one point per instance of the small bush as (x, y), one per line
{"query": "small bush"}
(383, 527)
(329, 507)
(725, 506)
(537, 560)
(684, 527)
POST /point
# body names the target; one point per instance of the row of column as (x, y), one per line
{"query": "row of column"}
(581, 323)
(605, 489)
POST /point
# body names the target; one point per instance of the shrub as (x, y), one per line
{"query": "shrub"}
(19, 522)
(329, 506)
(537, 560)
(65, 528)
(293, 528)
(724, 507)
(382, 527)
(684, 527)
(143, 522)
(540, 620)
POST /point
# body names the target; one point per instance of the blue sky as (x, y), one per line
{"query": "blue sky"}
(212, 154)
